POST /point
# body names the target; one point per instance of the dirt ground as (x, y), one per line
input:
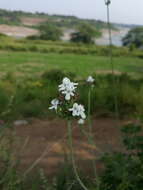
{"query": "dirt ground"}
(17, 31)
(43, 143)
(32, 21)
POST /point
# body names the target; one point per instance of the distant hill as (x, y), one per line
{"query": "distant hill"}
(22, 24)
(21, 18)
(33, 19)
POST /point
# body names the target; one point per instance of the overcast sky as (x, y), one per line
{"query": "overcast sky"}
(122, 11)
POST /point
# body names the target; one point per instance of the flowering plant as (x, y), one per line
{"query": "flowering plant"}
(67, 88)
(65, 105)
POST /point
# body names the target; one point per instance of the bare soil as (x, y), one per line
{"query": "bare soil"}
(32, 21)
(44, 143)
(17, 31)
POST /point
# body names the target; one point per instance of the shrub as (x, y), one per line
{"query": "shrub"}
(124, 170)
(57, 75)
(49, 32)
(33, 37)
(33, 48)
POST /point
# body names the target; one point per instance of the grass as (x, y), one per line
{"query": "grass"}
(24, 71)
(29, 63)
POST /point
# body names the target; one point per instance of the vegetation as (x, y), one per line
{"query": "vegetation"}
(124, 170)
(31, 95)
(31, 70)
(134, 38)
(49, 32)
(85, 34)
(24, 64)
(29, 82)
(10, 18)
(41, 46)
(26, 67)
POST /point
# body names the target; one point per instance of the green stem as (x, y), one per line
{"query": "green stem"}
(114, 81)
(89, 111)
(72, 155)
(91, 138)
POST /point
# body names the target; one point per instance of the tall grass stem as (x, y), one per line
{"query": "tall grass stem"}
(91, 136)
(70, 142)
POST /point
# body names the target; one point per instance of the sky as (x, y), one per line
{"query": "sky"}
(122, 11)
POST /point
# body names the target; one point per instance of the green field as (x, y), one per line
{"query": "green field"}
(24, 75)
(28, 63)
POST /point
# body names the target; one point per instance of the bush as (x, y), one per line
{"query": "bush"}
(57, 75)
(49, 32)
(125, 170)
(33, 37)
(134, 37)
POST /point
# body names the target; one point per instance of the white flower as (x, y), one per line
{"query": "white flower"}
(81, 111)
(78, 110)
(67, 88)
(75, 110)
(65, 84)
(90, 79)
(55, 103)
(68, 93)
(81, 121)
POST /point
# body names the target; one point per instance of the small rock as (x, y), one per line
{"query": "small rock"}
(20, 122)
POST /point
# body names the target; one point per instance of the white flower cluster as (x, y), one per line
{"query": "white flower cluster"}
(68, 89)
(78, 110)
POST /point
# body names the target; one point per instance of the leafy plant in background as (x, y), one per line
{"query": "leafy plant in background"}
(134, 38)
(57, 75)
(124, 170)
(85, 34)
(49, 32)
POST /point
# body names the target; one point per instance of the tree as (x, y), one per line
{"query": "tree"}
(85, 34)
(134, 38)
(50, 32)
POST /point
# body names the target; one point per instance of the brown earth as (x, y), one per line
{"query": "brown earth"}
(17, 31)
(43, 143)
(32, 21)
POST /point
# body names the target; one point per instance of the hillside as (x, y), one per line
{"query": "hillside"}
(20, 19)
(21, 24)
(33, 19)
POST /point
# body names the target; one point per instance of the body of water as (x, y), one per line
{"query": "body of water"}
(116, 37)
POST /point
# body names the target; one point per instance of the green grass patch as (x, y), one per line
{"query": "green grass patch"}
(28, 63)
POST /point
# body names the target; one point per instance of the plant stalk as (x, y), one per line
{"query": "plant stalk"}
(70, 142)
(91, 138)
